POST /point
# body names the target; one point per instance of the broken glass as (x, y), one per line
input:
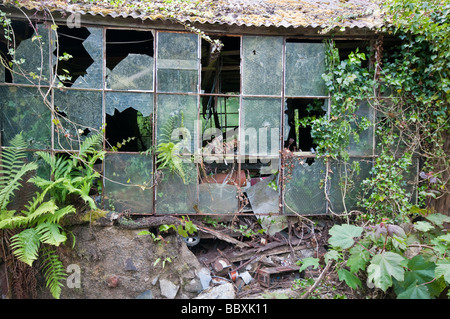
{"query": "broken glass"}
(303, 192)
(94, 73)
(305, 64)
(176, 192)
(260, 127)
(365, 144)
(2, 74)
(345, 188)
(130, 118)
(34, 53)
(135, 72)
(215, 198)
(23, 110)
(262, 65)
(178, 62)
(128, 182)
(177, 121)
(79, 115)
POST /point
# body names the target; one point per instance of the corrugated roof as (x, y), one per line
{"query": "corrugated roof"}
(269, 13)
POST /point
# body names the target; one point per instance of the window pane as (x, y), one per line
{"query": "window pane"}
(94, 73)
(23, 110)
(80, 114)
(218, 198)
(365, 144)
(345, 183)
(128, 182)
(262, 65)
(305, 64)
(129, 118)
(176, 121)
(35, 54)
(177, 62)
(260, 127)
(177, 192)
(129, 59)
(304, 193)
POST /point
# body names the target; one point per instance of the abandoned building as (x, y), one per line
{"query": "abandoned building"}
(222, 87)
(234, 107)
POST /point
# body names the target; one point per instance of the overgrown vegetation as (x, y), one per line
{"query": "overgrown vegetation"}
(393, 244)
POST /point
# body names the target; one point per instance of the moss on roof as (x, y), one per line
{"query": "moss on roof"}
(278, 13)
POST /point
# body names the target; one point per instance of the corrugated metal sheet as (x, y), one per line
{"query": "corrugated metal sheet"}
(256, 13)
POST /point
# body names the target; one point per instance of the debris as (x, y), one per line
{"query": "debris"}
(221, 266)
(145, 295)
(222, 236)
(269, 277)
(205, 277)
(129, 265)
(225, 291)
(113, 281)
(168, 288)
(246, 277)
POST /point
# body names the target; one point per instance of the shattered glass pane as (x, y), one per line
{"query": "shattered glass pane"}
(176, 121)
(304, 193)
(2, 74)
(23, 110)
(305, 64)
(177, 195)
(80, 116)
(143, 102)
(94, 73)
(135, 123)
(178, 62)
(218, 198)
(365, 144)
(260, 127)
(128, 182)
(411, 180)
(262, 65)
(35, 54)
(135, 72)
(345, 183)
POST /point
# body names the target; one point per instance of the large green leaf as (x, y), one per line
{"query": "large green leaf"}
(443, 269)
(342, 235)
(384, 267)
(415, 291)
(350, 279)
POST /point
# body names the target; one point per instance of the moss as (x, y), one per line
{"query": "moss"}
(93, 215)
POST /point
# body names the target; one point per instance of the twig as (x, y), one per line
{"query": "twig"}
(313, 287)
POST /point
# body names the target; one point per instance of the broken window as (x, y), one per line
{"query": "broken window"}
(23, 110)
(129, 60)
(128, 182)
(298, 136)
(129, 121)
(362, 145)
(178, 62)
(84, 67)
(262, 65)
(32, 53)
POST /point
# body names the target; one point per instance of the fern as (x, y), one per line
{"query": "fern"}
(26, 245)
(54, 272)
(13, 169)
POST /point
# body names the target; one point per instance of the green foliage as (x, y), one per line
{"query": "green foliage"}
(39, 221)
(387, 256)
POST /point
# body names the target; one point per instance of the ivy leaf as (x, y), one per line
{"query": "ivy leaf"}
(350, 279)
(385, 266)
(342, 235)
(443, 269)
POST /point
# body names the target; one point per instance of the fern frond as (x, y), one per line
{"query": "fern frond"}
(88, 146)
(25, 245)
(51, 233)
(60, 213)
(54, 272)
(7, 191)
